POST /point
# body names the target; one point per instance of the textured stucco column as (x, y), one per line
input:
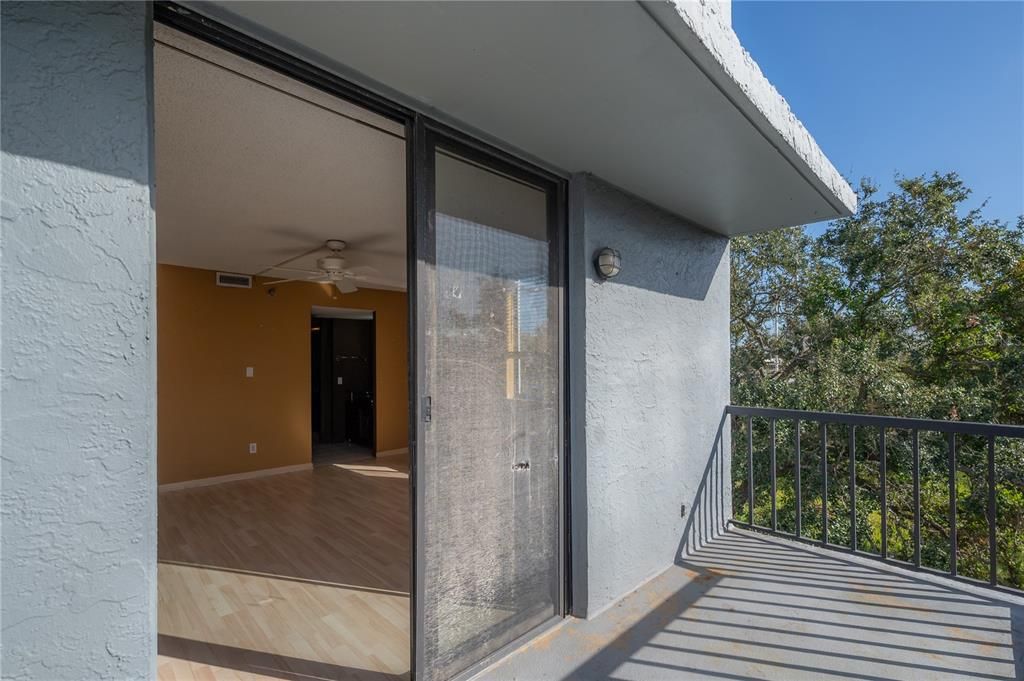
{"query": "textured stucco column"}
(655, 363)
(78, 363)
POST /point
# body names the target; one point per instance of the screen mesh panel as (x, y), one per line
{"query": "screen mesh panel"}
(490, 452)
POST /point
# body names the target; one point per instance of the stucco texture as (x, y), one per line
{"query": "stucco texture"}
(657, 383)
(711, 23)
(78, 460)
(209, 411)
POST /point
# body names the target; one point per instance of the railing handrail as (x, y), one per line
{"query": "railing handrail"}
(897, 422)
(990, 431)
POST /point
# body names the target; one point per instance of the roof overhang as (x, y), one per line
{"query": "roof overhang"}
(657, 98)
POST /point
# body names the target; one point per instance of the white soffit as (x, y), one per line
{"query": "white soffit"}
(656, 98)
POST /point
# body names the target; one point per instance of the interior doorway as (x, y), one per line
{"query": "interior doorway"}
(330, 571)
(283, 322)
(343, 369)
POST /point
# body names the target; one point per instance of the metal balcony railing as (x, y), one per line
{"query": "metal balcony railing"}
(983, 443)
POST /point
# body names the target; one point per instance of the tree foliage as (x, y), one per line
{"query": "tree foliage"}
(914, 306)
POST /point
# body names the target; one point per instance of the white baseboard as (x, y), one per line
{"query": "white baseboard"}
(393, 452)
(216, 480)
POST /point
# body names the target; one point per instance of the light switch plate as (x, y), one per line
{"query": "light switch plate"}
(248, 372)
(252, 447)
(339, 380)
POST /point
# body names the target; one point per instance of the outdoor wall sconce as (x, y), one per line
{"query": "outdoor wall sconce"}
(608, 263)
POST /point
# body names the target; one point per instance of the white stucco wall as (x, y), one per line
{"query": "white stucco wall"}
(713, 45)
(656, 367)
(713, 16)
(78, 548)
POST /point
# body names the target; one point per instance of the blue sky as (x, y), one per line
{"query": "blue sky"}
(907, 87)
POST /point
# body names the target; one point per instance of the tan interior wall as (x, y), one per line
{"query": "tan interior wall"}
(208, 411)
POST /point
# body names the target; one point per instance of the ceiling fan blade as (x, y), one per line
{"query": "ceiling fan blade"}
(380, 282)
(346, 286)
(363, 271)
(316, 278)
(293, 258)
(293, 269)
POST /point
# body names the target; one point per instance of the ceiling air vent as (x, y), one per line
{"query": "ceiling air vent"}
(234, 280)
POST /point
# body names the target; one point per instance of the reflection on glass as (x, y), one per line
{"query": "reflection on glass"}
(492, 363)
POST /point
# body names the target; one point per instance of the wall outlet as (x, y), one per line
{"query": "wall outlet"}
(252, 447)
(248, 372)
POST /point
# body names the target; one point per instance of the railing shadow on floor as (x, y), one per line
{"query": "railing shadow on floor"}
(773, 596)
(728, 617)
(711, 508)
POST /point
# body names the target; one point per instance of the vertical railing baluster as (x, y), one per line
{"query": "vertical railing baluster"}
(952, 504)
(853, 486)
(823, 429)
(750, 468)
(992, 548)
(917, 497)
(771, 458)
(854, 423)
(799, 494)
(884, 493)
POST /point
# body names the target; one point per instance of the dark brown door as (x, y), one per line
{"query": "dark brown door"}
(344, 387)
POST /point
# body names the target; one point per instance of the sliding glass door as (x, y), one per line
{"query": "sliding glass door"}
(488, 465)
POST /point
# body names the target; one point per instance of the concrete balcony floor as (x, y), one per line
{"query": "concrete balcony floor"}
(748, 606)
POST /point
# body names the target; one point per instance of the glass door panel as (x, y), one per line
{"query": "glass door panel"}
(489, 568)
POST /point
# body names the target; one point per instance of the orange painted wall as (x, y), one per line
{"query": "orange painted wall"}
(208, 411)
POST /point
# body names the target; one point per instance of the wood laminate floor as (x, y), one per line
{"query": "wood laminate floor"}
(295, 576)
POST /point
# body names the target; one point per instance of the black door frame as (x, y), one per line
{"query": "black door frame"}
(417, 128)
(430, 135)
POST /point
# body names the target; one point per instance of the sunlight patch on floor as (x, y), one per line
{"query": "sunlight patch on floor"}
(372, 471)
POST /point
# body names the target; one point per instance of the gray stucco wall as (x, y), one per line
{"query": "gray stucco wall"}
(77, 550)
(655, 358)
(77, 332)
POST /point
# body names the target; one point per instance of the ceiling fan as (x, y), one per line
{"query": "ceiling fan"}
(330, 268)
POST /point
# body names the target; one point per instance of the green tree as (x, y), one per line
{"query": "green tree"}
(914, 306)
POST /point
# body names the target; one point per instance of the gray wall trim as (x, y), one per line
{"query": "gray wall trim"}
(579, 262)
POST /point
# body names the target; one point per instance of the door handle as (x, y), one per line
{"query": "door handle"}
(521, 466)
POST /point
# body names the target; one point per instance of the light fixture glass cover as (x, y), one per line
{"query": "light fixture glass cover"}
(608, 263)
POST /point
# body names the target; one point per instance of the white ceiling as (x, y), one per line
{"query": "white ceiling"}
(253, 168)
